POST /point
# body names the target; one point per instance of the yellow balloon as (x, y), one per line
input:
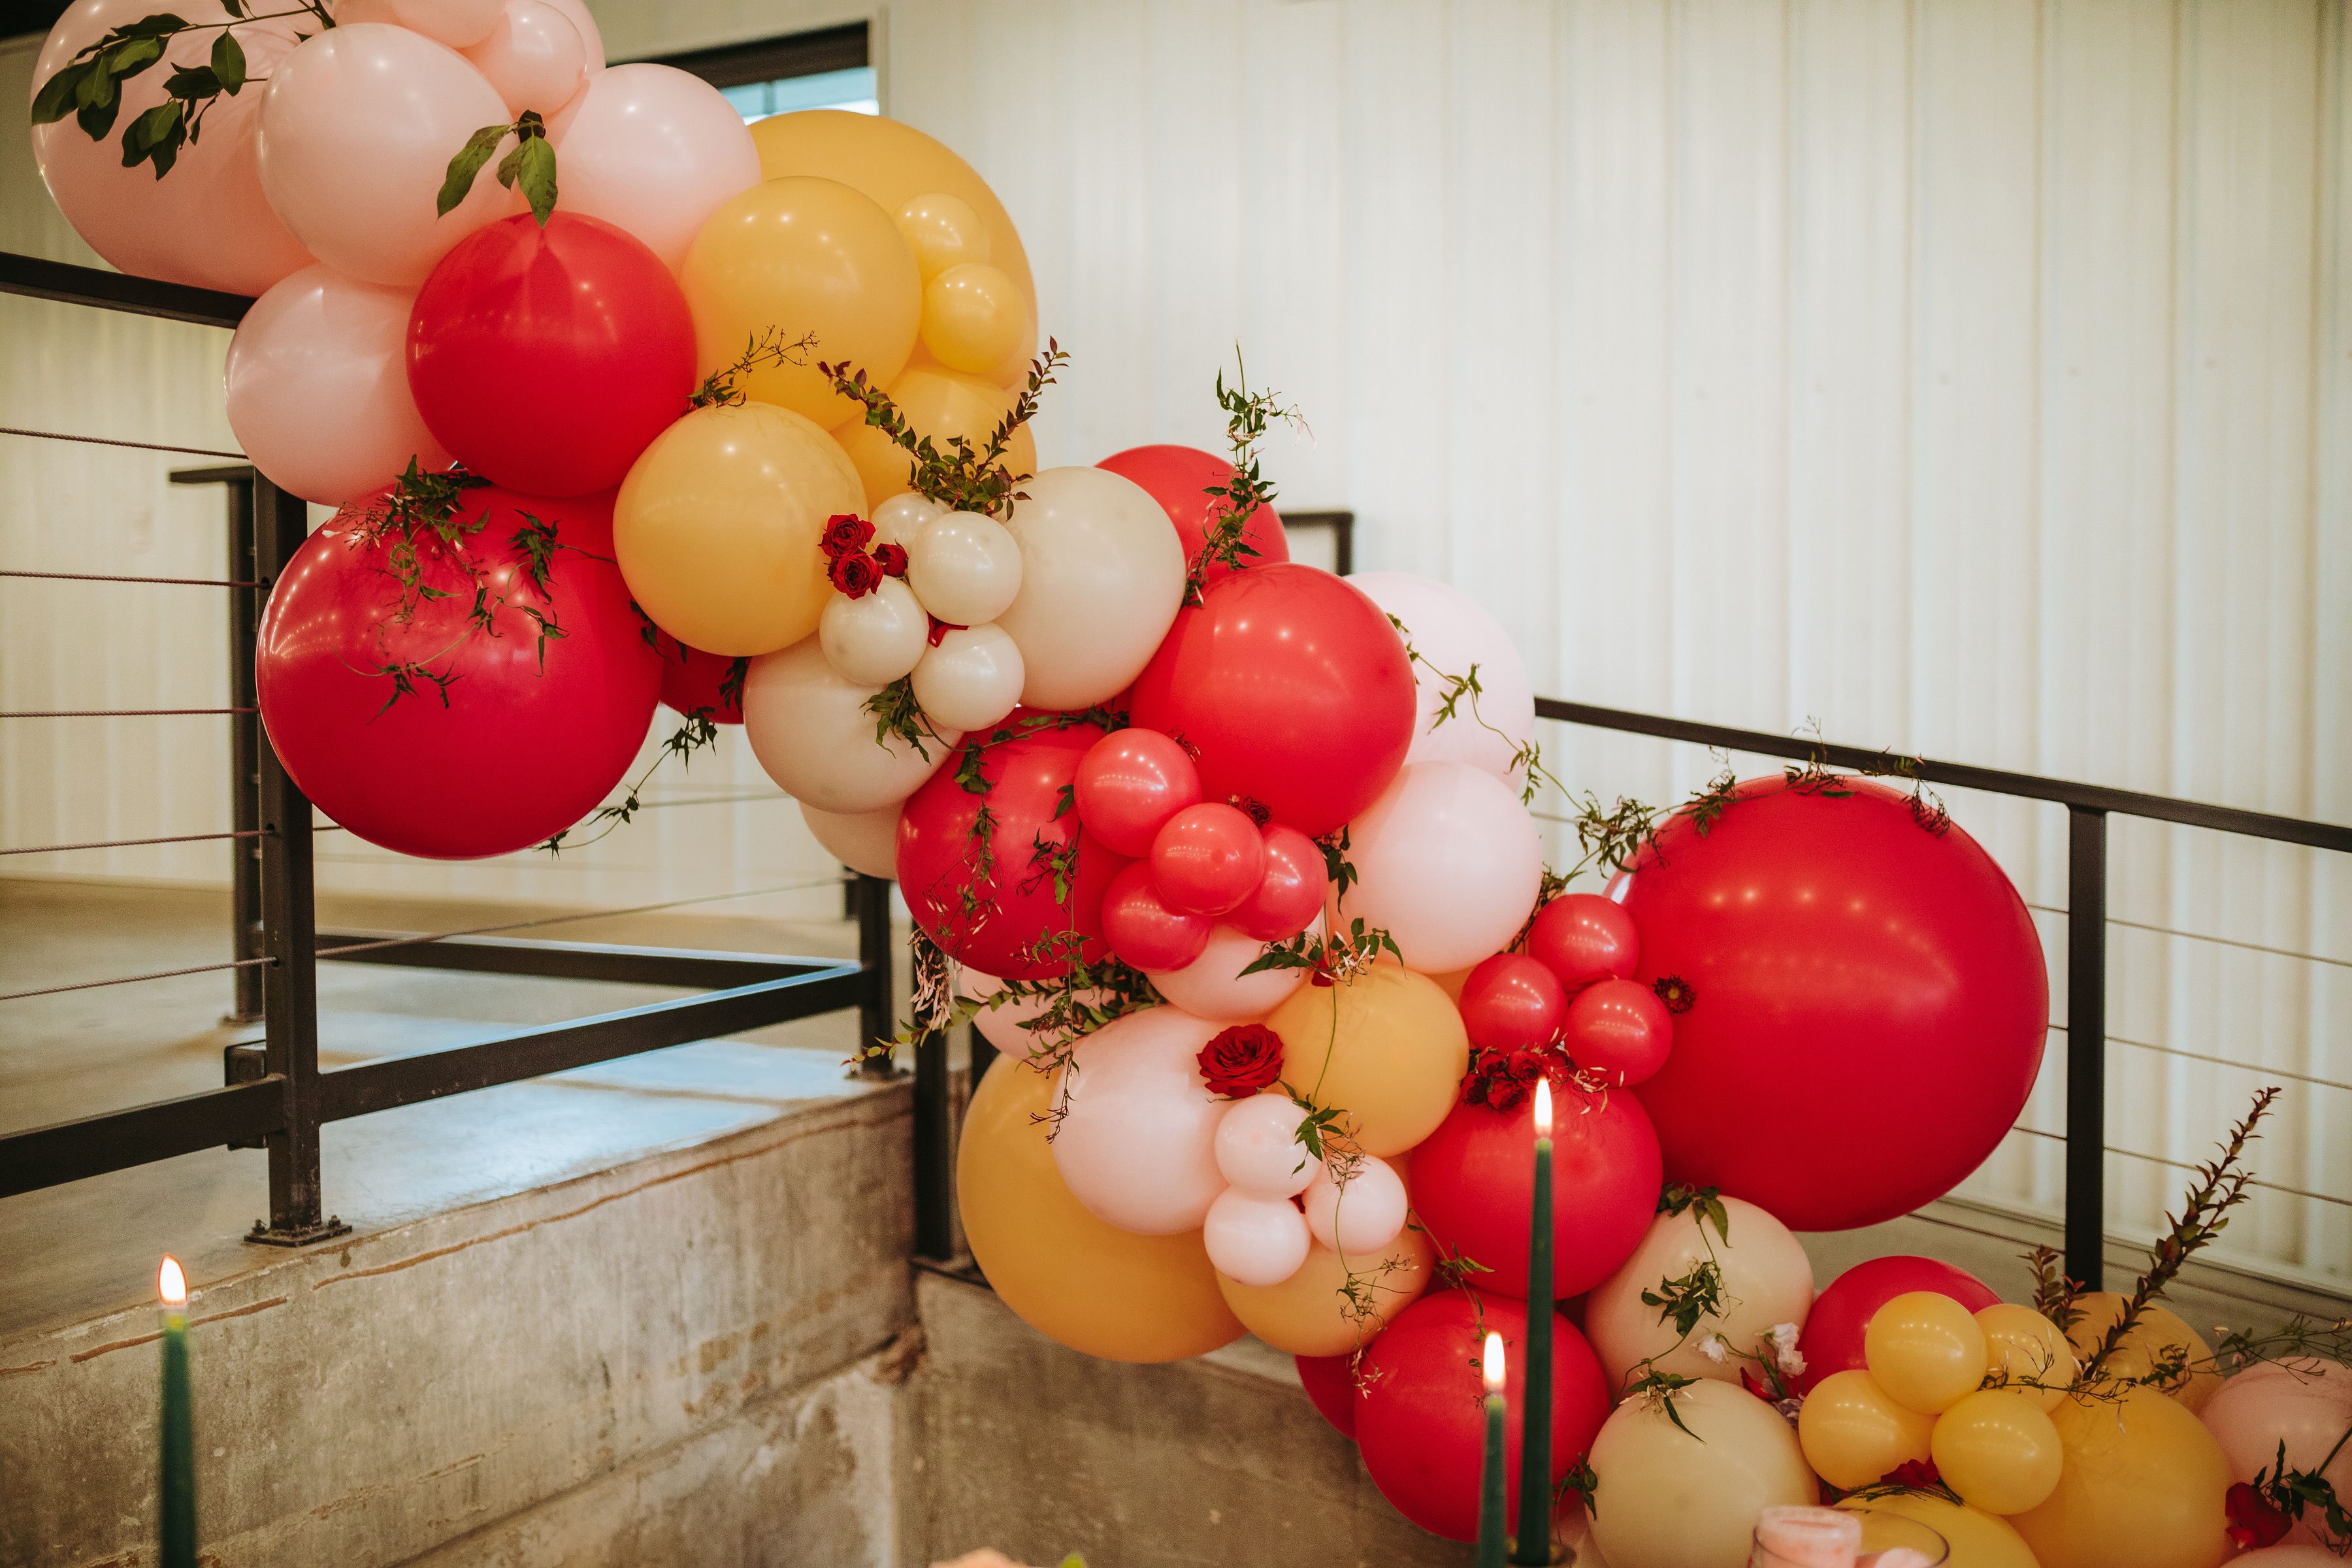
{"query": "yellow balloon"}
(2160, 1334)
(1852, 1434)
(803, 256)
(941, 404)
(973, 317)
(2142, 1486)
(1926, 1350)
(1998, 1450)
(1392, 1063)
(1686, 1495)
(1073, 1277)
(943, 231)
(1978, 1540)
(2028, 1353)
(1317, 1312)
(716, 528)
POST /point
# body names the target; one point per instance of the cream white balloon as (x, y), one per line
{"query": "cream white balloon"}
(899, 517)
(1682, 1489)
(971, 679)
(1255, 1240)
(811, 731)
(1360, 1215)
(1454, 633)
(1213, 986)
(1767, 1280)
(1258, 1149)
(1449, 862)
(534, 56)
(876, 637)
(1102, 576)
(964, 567)
(1137, 1139)
(863, 841)
(654, 151)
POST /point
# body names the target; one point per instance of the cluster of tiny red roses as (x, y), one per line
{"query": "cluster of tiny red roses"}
(1500, 1080)
(1243, 1060)
(855, 572)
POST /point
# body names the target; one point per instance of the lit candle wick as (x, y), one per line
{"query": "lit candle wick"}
(172, 1283)
(1494, 1363)
(1543, 1108)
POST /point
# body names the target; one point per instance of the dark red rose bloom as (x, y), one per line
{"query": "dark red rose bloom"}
(1253, 809)
(2253, 1521)
(892, 559)
(1500, 1080)
(1674, 991)
(1241, 1062)
(843, 534)
(1913, 1473)
(856, 573)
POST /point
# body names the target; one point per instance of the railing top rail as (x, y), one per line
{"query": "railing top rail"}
(1959, 775)
(39, 279)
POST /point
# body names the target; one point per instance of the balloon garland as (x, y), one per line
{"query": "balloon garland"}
(1229, 856)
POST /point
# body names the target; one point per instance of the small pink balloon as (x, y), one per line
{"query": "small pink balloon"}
(1213, 986)
(1360, 1215)
(1137, 1139)
(1258, 1149)
(1131, 783)
(1619, 1030)
(1255, 1240)
(317, 387)
(1142, 930)
(1290, 894)
(590, 34)
(1207, 857)
(1449, 861)
(2306, 1405)
(460, 24)
(534, 57)
(653, 151)
(357, 131)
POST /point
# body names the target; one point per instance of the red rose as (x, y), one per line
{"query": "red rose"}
(2253, 1521)
(1241, 1062)
(940, 630)
(843, 534)
(856, 573)
(1913, 1473)
(892, 559)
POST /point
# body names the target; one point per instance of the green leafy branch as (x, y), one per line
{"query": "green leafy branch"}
(895, 712)
(2294, 1492)
(1527, 756)
(720, 389)
(530, 163)
(961, 476)
(1226, 542)
(700, 731)
(1330, 960)
(1681, 1198)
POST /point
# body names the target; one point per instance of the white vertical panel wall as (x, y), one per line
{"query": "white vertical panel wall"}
(1966, 376)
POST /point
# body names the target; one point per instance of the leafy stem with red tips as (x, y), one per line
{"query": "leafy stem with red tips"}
(959, 476)
(722, 387)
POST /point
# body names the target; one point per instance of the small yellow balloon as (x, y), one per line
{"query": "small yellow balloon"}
(716, 527)
(1926, 1350)
(1387, 1047)
(941, 404)
(1853, 1434)
(1977, 1539)
(1998, 1450)
(973, 317)
(2159, 1335)
(2142, 1487)
(2030, 1355)
(803, 256)
(1319, 1311)
(1074, 1278)
(943, 231)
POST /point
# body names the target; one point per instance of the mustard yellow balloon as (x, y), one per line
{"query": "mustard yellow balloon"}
(2159, 1336)
(941, 404)
(973, 316)
(1998, 1450)
(2142, 1486)
(1682, 1489)
(1387, 1048)
(716, 527)
(1313, 1312)
(1074, 1278)
(1852, 1434)
(943, 231)
(1977, 1539)
(803, 256)
(2028, 1353)
(1925, 1349)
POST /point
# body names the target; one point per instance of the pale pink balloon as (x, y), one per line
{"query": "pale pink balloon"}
(460, 24)
(2290, 1554)
(357, 132)
(1137, 1139)
(1255, 1240)
(654, 151)
(590, 35)
(863, 841)
(1360, 1215)
(1001, 1025)
(1213, 986)
(534, 57)
(2306, 1405)
(1448, 861)
(1258, 1149)
(1454, 633)
(206, 223)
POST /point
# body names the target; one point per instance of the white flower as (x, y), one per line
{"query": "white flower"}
(1784, 1345)
(1792, 1364)
(1712, 1348)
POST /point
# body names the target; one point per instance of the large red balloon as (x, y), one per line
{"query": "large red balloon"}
(1001, 916)
(1291, 689)
(547, 358)
(1178, 478)
(1420, 1414)
(1330, 1384)
(1867, 1002)
(1831, 1341)
(522, 742)
(1472, 1185)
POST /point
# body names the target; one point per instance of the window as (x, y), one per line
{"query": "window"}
(828, 69)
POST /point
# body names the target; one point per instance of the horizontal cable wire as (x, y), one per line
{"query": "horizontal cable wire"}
(2203, 1283)
(2218, 1061)
(111, 441)
(134, 979)
(179, 838)
(2184, 1165)
(123, 712)
(109, 577)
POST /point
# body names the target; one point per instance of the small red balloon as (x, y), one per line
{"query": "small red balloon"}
(1290, 894)
(1207, 858)
(1510, 1002)
(1141, 927)
(1129, 784)
(1331, 1382)
(1619, 1030)
(547, 358)
(1583, 937)
(1178, 478)
(692, 678)
(1473, 1188)
(1420, 1411)
(1832, 1340)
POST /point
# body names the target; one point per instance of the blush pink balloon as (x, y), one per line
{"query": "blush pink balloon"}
(1290, 894)
(317, 387)
(590, 34)
(1449, 861)
(1255, 1240)
(2305, 1404)
(1130, 784)
(357, 131)
(1142, 930)
(1213, 986)
(205, 224)
(534, 57)
(2290, 1554)
(460, 24)
(1454, 634)
(1619, 1030)
(654, 151)
(1137, 1136)
(1207, 857)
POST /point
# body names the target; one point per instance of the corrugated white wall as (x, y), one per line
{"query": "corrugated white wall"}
(1967, 375)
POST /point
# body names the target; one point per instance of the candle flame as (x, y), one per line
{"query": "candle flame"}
(1543, 1108)
(171, 1283)
(1494, 1363)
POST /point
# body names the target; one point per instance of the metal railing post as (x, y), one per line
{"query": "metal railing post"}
(869, 905)
(244, 757)
(2087, 1044)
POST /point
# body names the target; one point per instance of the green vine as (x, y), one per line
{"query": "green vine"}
(530, 164)
(1226, 542)
(700, 731)
(961, 477)
(720, 388)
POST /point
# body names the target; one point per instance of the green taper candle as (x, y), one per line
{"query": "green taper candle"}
(176, 1513)
(1492, 1509)
(1533, 1543)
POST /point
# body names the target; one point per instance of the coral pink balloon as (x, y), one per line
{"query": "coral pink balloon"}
(1619, 1030)
(1290, 894)
(317, 387)
(206, 223)
(1449, 861)
(534, 56)
(1832, 1337)
(1137, 1139)
(1511, 1002)
(1143, 931)
(1213, 986)
(2305, 1404)
(1130, 784)
(357, 132)
(654, 151)
(1583, 937)
(1207, 858)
